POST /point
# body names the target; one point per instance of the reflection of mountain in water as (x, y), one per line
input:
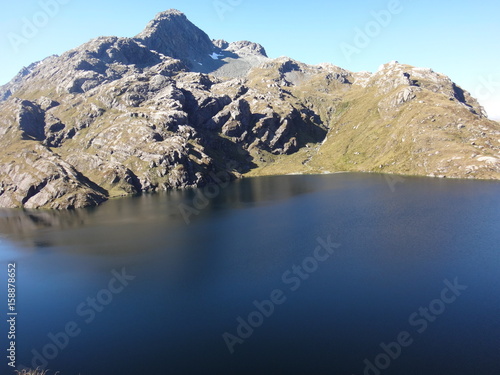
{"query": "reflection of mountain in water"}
(116, 224)
(21, 225)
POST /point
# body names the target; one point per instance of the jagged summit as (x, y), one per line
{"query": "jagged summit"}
(172, 34)
(242, 47)
(170, 12)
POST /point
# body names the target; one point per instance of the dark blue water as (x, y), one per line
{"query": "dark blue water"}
(406, 282)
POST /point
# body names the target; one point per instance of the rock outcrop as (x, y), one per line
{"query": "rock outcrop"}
(172, 34)
(170, 108)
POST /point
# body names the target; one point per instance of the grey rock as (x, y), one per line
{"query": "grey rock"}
(245, 47)
(31, 120)
(170, 109)
(172, 34)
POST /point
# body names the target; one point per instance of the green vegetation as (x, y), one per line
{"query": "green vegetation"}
(145, 132)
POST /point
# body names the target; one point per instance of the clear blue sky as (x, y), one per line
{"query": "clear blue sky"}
(458, 38)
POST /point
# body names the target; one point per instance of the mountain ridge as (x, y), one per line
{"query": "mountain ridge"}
(170, 108)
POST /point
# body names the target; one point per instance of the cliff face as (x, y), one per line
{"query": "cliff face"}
(171, 108)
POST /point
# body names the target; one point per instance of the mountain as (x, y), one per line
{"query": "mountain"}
(171, 108)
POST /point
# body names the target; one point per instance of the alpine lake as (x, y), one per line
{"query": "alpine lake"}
(343, 274)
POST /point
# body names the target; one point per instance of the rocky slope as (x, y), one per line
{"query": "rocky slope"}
(172, 109)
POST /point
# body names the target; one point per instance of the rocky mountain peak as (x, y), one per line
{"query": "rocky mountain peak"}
(244, 47)
(172, 34)
(171, 109)
(170, 13)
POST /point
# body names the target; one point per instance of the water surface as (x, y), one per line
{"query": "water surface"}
(398, 245)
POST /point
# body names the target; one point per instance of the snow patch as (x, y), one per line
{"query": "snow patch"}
(215, 56)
